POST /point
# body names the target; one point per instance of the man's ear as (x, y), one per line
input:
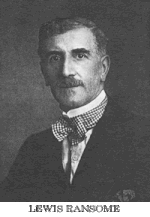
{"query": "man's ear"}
(105, 61)
(45, 75)
(41, 66)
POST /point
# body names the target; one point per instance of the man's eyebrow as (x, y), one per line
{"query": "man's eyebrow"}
(53, 52)
(80, 50)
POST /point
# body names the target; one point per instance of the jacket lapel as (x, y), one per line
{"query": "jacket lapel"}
(97, 150)
(100, 156)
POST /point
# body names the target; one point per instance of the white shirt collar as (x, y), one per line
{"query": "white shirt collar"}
(81, 110)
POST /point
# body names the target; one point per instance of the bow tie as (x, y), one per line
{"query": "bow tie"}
(75, 128)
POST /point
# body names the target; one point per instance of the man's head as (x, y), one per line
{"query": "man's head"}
(73, 60)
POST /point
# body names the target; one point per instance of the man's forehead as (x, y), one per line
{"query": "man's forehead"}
(72, 39)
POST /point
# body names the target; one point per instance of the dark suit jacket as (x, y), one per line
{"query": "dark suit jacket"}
(115, 165)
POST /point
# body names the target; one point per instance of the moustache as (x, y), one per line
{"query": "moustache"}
(69, 82)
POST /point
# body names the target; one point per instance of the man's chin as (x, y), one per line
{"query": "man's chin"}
(68, 104)
(69, 98)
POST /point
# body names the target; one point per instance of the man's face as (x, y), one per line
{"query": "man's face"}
(73, 67)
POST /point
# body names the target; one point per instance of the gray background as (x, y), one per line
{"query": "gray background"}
(27, 106)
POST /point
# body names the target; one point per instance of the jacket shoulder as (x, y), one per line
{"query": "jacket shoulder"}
(40, 139)
(118, 115)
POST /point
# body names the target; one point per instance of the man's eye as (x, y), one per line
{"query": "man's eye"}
(81, 56)
(54, 58)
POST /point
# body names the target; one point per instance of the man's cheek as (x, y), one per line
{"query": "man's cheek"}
(51, 76)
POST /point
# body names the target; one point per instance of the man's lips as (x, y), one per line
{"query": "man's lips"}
(68, 86)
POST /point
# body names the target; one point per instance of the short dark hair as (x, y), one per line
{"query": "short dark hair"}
(62, 25)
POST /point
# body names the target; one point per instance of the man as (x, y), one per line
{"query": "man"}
(96, 150)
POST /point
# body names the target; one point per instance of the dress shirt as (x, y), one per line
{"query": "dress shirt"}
(77, 151)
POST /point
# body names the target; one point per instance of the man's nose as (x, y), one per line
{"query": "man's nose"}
(68, 68)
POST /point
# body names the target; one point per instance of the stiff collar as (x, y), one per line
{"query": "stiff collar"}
(81, 110)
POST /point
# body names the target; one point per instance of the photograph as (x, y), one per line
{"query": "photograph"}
(75, 101)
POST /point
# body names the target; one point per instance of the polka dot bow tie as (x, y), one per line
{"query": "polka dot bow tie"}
(75, 128)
